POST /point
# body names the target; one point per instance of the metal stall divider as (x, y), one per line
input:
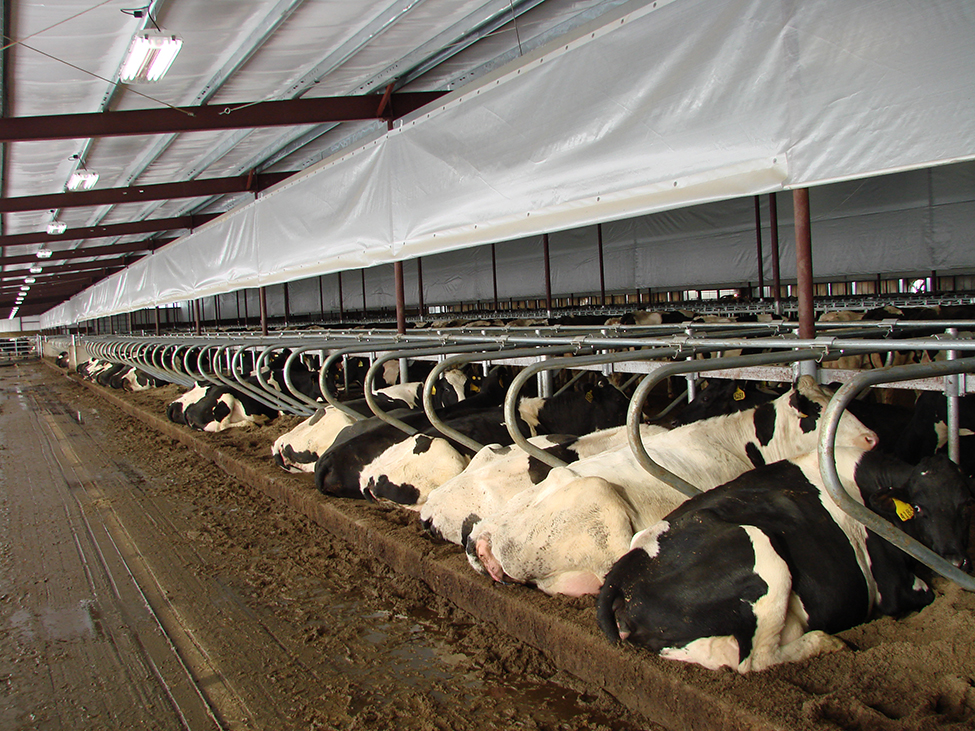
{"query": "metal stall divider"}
(827, 462)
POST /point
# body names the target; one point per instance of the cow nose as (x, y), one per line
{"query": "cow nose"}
(870, 440)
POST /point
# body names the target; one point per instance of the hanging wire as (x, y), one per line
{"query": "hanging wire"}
(514, 19)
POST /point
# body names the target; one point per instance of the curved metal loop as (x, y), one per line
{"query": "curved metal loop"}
(327, 393)
(511, 399)
(381, 360)
(502, 350)
(827, 461)
(640, 396)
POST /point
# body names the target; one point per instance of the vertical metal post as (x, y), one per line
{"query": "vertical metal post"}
(216, 311)
(321, 294)
(758, 244)
(419, 283)
(262, 298)
(804, 272)
(773, 214)
(952, 392)
(245, 308)
(494, 276)
(158, 328)
(400, 297)
(341, 306)
(198, 326)
(287, 305)
(602, 270)
(548, 275)
(362, 272)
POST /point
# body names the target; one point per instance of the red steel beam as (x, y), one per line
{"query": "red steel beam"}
(168, 120)
(112, 229)
(85, 253)
(143, 193)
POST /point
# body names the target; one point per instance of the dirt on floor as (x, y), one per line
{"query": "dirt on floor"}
(387, 652)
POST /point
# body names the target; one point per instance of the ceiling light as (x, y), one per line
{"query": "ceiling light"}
(56, 227)
(83, 179)
(25, 288)
(29, 280)
(44, 252)
(36, 269)
(149, 57)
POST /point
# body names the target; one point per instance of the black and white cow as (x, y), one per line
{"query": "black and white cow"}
(564, 534)
(718, 397)
(134, 379)
(62, 361)
(497, 473)
(299, 449)
(220, 407)
(337, 470)
(407, 472)
(927, 431)
(763, 570)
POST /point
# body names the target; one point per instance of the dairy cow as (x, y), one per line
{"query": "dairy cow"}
(563, 534)
(407, 472)
(299, 449)
(718, 397)
(763, 570)
(337, 470)
(497, 473)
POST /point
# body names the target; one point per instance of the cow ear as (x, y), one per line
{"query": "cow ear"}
(893, 504)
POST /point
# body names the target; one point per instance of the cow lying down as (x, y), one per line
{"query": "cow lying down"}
(563, 534)
(497, 473)
(756, 572)
(299, 449)
(407, 472)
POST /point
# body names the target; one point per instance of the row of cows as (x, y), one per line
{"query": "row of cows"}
(760, 568)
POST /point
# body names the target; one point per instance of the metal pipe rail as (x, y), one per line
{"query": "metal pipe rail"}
(640, 396)
(502, 353)
(827, 462)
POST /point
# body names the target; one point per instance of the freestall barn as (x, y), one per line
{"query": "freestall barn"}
(309, 165)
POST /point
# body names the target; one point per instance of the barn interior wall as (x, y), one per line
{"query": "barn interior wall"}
(673, 105)
(906, 224)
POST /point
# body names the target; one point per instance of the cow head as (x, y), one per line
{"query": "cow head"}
(934, 506)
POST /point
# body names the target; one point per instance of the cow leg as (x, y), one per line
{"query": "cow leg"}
(779, 635)
(572, 583)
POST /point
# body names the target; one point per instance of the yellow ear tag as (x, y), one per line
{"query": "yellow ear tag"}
(475, 388)
(433, 389)
(739, 394)
(589, 396)
(904, 511)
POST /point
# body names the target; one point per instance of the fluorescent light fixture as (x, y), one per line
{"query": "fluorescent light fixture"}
(45, 253)
(29, 280)
(150, 55)
(36, 269)
(56, 227)
(82, 179)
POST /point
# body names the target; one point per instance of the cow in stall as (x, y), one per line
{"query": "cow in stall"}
(337, 470)
(564, 534)
(926, 433)
(212, 408)
(717, 397)
(766, 568)
(497, 473)
(720, 397)
(407, 472)
(62, 360)
(134, 379)
(299, 449)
